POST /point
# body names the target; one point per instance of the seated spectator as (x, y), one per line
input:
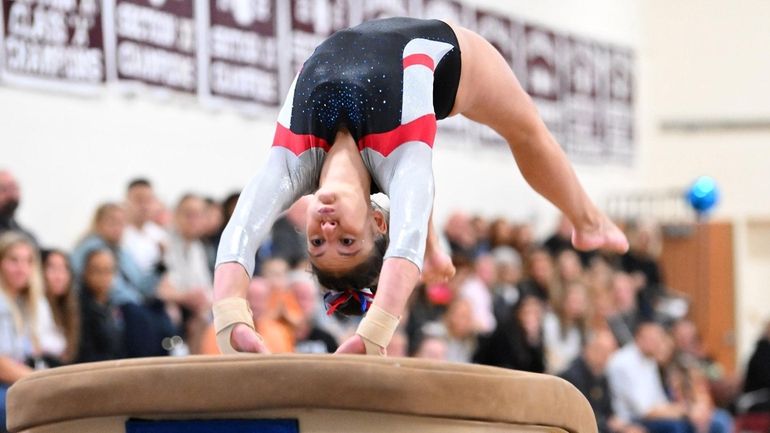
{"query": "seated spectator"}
(142, 238)
(506, 291)
(19, 298)
(134, 291)
(625, 314)
(588, 373)
(517, 343)
(565, 327)
(288, 235)
(310, 337)
(638, 392)
(461, 236)
(461, 340)
(432, 347)
(101, 338)
(10, 198)
(641, 262)
(269, 322)
(481, 227)
(477, 290)
(568, 267)
(214, 216)
(758, 373)
(63, 299)
(500, 234)
(187, 286)
(523, 238)
(540, 276)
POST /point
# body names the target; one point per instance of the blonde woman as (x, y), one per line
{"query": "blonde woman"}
(21, 299)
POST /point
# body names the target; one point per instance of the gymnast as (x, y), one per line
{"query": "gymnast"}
(361, 117)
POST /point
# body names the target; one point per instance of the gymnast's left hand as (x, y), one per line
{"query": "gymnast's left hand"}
(353, 345)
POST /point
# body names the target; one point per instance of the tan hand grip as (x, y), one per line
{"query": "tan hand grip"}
(228, 313)
(377, 329)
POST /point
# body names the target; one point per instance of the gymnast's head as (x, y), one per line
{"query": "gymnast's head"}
(347, 235)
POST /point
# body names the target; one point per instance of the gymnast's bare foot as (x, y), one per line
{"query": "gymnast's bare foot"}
(605, 235)
(437, 268)
(244, 339)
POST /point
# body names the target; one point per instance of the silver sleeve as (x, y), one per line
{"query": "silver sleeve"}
(284, 178)
(410, 189)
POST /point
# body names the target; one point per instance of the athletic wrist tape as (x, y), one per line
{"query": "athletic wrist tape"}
(377, 329)
(228, 313)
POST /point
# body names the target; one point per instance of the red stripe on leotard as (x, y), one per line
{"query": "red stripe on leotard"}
(419, 59)
(420, 129)
(297, 143)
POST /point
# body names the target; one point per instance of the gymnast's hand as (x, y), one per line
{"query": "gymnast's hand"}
(437, 267)
(353, 345)
(603, 234)
(244, 339)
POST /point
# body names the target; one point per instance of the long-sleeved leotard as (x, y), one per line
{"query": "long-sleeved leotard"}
(386, 81)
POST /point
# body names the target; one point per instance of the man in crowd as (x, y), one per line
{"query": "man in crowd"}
(142, 239)
(10, 198)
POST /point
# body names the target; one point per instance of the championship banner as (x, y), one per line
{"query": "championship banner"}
(155, 43)
(620, 108)
(55, 44)
(241, 52)
(540, 78)
(374, 9)
(312, 21)
(582, 114)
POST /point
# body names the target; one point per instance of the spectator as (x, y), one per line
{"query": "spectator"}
(568, 267)
(277, 334)
(214, 216)
(19, 297)
(506, 291)
(101, 338)
(461, 236)
(588, 373)
(500, 233)
(565, 327)
(561, 239)
(482, 233)
(187, 286)
(641, 262)
(758, 373)
(637, 385)
(25, 295)
(10, 198)
(143, 239)
(540, 280)
(625, 314)
(461, 341)
(146, 322)
(288, 235)
(477, 289)
(433, 348)
(63, 299)
(517, 343)
(310, 338)
(523, 238)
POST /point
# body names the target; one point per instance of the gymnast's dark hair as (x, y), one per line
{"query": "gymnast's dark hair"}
(363, 276)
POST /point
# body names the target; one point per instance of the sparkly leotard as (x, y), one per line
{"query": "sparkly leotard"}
(386, 81)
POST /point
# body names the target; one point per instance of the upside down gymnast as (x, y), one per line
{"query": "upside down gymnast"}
(360, 117)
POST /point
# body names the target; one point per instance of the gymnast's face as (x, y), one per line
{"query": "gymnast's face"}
(341, 228)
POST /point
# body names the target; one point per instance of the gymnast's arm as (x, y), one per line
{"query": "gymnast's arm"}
(283, 179)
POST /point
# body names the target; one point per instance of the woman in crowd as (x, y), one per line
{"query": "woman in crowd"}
(63, 299)
(565, 327)
(101, 338)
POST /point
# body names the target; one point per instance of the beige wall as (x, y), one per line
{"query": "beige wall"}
(708, 59)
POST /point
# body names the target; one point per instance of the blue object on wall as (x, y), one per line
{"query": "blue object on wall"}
(703, 195)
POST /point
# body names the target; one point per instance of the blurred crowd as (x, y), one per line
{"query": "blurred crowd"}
(139, 283)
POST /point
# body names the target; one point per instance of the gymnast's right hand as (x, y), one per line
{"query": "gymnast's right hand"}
(245, 339)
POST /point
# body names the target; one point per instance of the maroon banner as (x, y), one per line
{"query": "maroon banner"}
(312, 21)
(156, 43)
(55, 40)
(541, 76)
(620, 113)
(243, 51)
(497, 30)
(374, 9)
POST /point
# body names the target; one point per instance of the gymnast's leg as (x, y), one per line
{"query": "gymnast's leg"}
(489, 93)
